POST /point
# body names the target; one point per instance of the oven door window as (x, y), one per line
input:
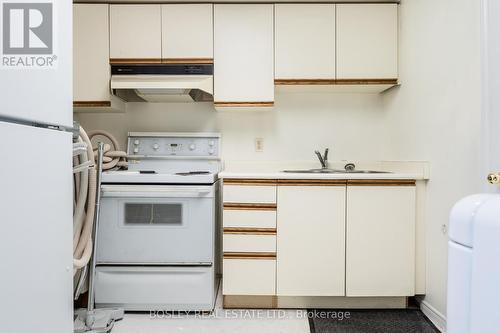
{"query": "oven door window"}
(156, 214)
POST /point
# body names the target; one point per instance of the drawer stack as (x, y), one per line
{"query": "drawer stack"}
(249, 240)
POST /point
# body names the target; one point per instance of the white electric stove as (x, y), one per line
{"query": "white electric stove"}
(157, 233)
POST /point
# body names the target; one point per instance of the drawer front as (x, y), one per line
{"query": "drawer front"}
(190, 288)
(249, 218)
(249, 277)
(249, 243)
(249, 194)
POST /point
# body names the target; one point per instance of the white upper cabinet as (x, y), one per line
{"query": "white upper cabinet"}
(304, 41)
(243, 55)
(90, 54)
(135, 32)
(367, 41)
(187, 33)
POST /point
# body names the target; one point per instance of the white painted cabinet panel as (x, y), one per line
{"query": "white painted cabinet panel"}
(249, 243)
(187, 32)
(249, 194)
(243, 55)
(91, 72)
(311, 241)
(249, 218)
(367, 41)
(249, 277)
(135, 31)
(380, 249)
(305, 41)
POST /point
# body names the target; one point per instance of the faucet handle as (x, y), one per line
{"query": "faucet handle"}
(325, 157)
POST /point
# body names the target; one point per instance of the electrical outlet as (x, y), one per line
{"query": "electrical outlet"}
(259, 145)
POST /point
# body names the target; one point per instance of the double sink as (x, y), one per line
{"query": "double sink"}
(349, 168)
(326, 170)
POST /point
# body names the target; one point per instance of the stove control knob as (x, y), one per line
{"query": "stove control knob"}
(156, 146)
(192, 146)
(211, 151)
(136, 150)
(136, 142)
(211, 143)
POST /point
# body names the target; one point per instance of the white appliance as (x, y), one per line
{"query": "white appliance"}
(36, 178)
(473, 265)
(156, 239)
(163, 82)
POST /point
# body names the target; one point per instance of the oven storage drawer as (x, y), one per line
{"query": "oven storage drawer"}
(249, 276)
(168, 288)
(249, 243)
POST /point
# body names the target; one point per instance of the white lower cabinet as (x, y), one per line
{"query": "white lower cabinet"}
(380, 241)
(311, 241)
(307, 238)
(249, 277)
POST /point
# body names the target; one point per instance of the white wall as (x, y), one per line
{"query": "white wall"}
(351, 125)
(435, 115)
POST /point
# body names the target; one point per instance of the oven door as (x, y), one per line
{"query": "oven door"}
(156, 224)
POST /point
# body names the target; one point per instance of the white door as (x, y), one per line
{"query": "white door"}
(34, 93)
(243, 55)
(491, 98)
(311, 241)
(380, 241)
(135, 33)
(36, 203)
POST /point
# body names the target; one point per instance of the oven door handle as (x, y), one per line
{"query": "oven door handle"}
(146, 191)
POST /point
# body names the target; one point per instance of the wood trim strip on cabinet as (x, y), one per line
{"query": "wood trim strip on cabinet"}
(134, 61)
(381, 182)
(91, 104)
(195, 61)
(289, 82)
(312, 182)
(243, 104)
(334, 81)
(249, 231)
(259, 182)
(250, 301)
(250, 255)
(365, 81)
(249, 206)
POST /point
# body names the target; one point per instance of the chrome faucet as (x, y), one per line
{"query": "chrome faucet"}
(323, 159)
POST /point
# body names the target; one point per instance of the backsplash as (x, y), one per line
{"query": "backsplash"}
(352, 125)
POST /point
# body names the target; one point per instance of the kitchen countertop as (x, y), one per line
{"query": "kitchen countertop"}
(274, 170)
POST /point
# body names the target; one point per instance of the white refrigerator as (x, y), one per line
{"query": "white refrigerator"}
(36, 195)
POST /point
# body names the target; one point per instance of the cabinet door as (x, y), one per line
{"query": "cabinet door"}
(135, 32)
(91, 72)
(305, 41)
(367, 41)
(380, 255)
(187, 33)
(311, 241)
(243, 55)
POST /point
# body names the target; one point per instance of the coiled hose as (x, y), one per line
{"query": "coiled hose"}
(85, 190)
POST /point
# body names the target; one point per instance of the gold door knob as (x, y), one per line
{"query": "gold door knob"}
(494, 178)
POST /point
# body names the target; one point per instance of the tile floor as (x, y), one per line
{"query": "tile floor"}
(221, 321)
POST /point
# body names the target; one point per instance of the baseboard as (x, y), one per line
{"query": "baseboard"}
(436, 317)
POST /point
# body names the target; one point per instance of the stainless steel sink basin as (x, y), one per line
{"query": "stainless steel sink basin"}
(333, 171)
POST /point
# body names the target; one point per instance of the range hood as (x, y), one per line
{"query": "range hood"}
(160, 83)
